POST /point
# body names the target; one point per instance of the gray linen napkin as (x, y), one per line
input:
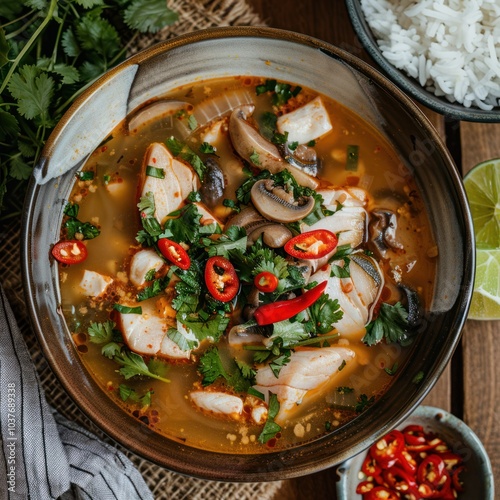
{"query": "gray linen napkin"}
(44, 455)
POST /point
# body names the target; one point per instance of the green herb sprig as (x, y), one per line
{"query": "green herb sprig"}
(50, 51)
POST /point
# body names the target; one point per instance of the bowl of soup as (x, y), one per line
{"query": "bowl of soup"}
(247, 255)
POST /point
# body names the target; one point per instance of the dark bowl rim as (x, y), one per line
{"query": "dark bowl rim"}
(315, 464)
(410, 85)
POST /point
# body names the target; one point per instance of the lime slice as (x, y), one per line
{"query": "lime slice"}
(482, 185)
(486, 296)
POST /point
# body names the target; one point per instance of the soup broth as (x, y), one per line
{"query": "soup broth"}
(194, 313)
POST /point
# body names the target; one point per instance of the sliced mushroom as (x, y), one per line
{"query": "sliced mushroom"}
(383, 231)
(254, 148)
(275, 203)
(212, 189)
(303, 157)
(273, 235)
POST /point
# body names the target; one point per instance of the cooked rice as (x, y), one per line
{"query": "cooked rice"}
(451, 47)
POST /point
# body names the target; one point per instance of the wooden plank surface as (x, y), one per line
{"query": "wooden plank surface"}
(481, 339)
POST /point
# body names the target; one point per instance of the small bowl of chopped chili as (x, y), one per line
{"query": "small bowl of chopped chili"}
(432, 454)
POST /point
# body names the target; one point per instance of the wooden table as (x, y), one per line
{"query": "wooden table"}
(470, 386)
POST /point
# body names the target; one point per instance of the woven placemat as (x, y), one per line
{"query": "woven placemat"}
(193, 15)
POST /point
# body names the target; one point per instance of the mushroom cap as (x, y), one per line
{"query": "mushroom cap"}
(274, 203)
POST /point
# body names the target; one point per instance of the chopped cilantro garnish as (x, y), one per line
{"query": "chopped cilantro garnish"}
(177, 148)
(211, 369)
(184, 344)
(271, 428)
(127, 309)
(129, 394)
(325, 312)
(133, 365)
(75, 226)
(364, 402)
(391, 324)
(207, 148)
(86, 175)
(254, 158)
(151, 171)
(418, 377)
(392, 371)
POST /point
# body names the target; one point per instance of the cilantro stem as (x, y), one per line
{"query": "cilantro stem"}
(26, 25)
(28, 45)
(17, 19)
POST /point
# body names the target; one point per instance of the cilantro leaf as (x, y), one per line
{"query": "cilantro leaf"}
(33, 91)
(133, 365)
(101, 333)
(271, 428)
(325, 312)
(391, 324)
(211, 368)
(149, 15)
(184, 343)
(212, 327)
(177, 148)
(364, 402)
(129, 394)
(235, 238)
(9, 125)
(185, 227)
(98, 35)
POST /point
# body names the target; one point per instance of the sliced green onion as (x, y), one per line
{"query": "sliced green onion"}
(352, 158)
(155, 172)
(127, 310)
(87, 175)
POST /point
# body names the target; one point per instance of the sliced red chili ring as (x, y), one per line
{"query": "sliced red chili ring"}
(388, 449)
(451, 460)
(70, 252)
(311, 244)
(431, 470)
(407, 462)
(381, 493)
(399, 479)
(174, 252)
(285, 309)
(364, 487)
(221, 279)
(266, 282)
(456, 480)
(370, 466)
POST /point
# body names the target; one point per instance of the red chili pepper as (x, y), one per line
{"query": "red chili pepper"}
(370, 466)
(364, 487)
(456, 480)
(388, 449)
(312, 244)
(398, 479)
(381, 493)
(284, 309)
(266, 282)
(70, 252)
(431, 470)
(172, 251)
(221, 279)
(399, 471)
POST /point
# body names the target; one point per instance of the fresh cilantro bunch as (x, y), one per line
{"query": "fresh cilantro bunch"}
(50, 51)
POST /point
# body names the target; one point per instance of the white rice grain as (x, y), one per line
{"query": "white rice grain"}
(451, 47)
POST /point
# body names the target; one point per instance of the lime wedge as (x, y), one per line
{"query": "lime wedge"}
(486, 296)
(482, 185)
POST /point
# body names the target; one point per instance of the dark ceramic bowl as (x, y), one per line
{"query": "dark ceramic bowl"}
(272, 54)
(411, 86)
(478, 476)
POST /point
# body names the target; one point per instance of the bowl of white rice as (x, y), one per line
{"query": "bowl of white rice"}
(443, 53)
